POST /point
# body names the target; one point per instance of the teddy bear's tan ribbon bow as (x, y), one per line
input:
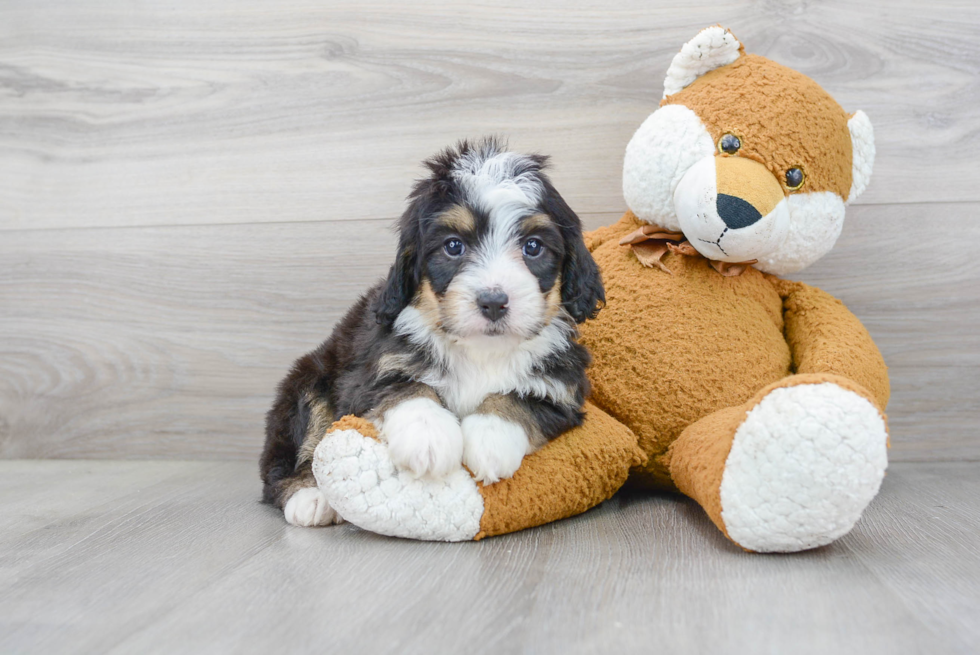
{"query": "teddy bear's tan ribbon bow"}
(651, 242)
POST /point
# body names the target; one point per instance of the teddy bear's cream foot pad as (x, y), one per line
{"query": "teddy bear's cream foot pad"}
(803, 466)
(360, 481)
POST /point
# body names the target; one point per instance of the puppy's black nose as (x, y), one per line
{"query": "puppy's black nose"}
(493, 304)
(736, 212)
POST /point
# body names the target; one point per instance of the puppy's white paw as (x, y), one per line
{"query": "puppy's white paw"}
(493, 447)
(308, 507)
(423, 438)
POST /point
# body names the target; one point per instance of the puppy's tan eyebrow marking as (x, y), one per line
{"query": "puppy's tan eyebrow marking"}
(458, 219)
(537, 222)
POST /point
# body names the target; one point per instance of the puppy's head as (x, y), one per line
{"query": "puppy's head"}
(487, 247)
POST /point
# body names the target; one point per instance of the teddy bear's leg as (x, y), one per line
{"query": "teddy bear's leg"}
(575, 472)
(791, 469)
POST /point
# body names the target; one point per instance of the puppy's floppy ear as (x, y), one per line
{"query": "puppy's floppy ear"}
(405, 274)
(428, 195)
(582, 293)
(400, 286)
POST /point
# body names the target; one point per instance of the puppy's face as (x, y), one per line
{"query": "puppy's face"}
(489, 248)
(491, 271)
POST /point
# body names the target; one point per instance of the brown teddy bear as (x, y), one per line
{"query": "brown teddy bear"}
(760, 398)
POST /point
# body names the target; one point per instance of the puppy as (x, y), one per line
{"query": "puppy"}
(466, 352)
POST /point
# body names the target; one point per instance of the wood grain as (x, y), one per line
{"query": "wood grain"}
(192, 194)
(168, 342)
(269, 111)
(180, 557)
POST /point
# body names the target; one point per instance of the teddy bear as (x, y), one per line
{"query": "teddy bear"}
(760, 398)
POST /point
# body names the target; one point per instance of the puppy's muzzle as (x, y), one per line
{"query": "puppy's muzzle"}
(492, 304)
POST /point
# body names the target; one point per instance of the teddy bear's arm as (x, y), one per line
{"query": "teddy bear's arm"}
(571, 474)
(597, 237)
(825, 337)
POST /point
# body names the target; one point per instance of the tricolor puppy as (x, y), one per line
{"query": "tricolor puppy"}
(466, 353)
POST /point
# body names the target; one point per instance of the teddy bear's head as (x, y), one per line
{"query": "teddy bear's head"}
(749, 159)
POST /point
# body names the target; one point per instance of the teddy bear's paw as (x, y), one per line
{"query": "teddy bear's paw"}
(493, 447)
(423, 438)
(359, 480)
(309, 507)
(803, 466)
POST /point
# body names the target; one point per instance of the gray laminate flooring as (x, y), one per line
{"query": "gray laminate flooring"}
(180, 557)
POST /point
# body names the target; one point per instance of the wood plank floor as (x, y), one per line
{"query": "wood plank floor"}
(127, 557)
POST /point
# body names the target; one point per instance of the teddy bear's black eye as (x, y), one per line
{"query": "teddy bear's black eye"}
(729, 144)
(532, 248)
(795, 178)
(454, 247)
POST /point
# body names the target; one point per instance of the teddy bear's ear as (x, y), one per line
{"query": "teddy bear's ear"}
(863, 153)
(712, 48)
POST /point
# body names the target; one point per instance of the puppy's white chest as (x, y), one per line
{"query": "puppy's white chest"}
(471, 379)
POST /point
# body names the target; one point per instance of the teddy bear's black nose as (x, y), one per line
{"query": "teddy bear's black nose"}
(736, 212)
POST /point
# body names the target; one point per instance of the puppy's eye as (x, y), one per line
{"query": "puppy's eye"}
(454, 247)
(729, 144)
(533, 248)
(795, 178)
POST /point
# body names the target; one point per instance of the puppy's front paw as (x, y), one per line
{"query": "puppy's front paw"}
(423, 437)
(493, 447)
(308, 507)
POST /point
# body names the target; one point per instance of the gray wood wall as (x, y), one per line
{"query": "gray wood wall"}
(192, 192)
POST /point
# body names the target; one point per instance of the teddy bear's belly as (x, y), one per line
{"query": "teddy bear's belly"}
(670, 349)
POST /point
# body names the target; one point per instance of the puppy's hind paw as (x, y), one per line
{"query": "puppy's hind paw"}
(308, 508)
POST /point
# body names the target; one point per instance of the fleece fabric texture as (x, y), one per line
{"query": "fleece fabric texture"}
(827, 338)
(803, 465)
(359, 480)
(682, 358)
(573, 473)
(670, 349)
(351, 422)
(759, 101)
(699, 457)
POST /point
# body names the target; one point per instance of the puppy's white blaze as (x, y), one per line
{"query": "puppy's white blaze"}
(491, 183)
(493, 447)
(498, 266)
(695, 201)
(489, 177)
(309, 507)
(473, 368)
(423, 437)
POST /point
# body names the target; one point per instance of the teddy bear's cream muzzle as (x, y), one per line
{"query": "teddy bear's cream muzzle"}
(731, 209)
